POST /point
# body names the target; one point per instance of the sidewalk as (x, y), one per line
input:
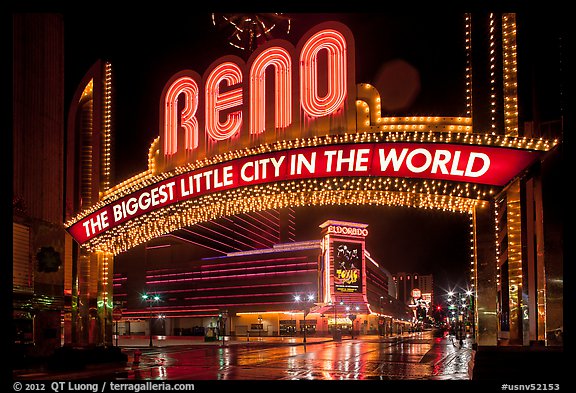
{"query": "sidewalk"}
(524, 364)
(129, 342)
(169, 341)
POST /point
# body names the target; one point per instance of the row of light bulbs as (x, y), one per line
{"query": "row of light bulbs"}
(279, 195)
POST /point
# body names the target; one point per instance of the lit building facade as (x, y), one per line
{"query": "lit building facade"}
(407, 282)
(261, 292)
(416, 291)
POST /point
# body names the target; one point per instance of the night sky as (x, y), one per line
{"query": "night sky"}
(416, 60)
(146, 49)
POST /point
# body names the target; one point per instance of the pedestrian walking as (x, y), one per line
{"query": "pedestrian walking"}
(452, 334)
(460, 335)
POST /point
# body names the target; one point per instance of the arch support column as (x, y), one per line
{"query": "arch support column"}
(485, 280)
(90, 308)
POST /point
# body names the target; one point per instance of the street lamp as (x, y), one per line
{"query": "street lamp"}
(350, 318)
(336, 321)
(355, 314)
(381, 326)
(335, 333)
(471, 308)
(309, 299)
(334, 329)
(222, 317)
(149, 298)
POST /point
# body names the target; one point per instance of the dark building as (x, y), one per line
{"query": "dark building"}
(38, 145)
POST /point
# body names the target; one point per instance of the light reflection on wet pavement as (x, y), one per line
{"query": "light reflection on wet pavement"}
(421, 356)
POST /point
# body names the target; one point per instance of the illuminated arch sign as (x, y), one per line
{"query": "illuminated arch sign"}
(461, 163)
(288, 115)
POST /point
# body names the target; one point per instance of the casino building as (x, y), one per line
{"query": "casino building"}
(261, 292)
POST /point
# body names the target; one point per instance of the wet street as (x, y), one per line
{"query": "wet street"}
(419, 356)
(416, 356)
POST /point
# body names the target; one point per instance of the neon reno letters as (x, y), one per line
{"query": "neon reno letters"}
(461, 163)
(235, 101)
(189, 89)
(312, 104)
(280, 59)
(217, 102)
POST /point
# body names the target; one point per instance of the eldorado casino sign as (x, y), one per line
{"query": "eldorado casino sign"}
(287, 117)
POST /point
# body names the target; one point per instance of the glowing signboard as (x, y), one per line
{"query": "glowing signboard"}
(416, 293)
(347, 267)
(348, 231)
(477, 164)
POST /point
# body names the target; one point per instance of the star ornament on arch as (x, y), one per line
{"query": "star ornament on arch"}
(248, 30)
